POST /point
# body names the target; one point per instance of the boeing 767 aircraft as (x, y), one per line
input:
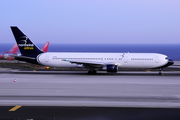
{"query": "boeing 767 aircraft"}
(110, 62)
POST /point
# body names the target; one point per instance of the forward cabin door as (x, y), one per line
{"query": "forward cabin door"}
(157, 59)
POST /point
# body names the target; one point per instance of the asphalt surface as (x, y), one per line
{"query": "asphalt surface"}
(66, 95)
(90, 90)
(87, 113)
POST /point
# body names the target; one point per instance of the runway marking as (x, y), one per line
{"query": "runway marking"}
(15, 108)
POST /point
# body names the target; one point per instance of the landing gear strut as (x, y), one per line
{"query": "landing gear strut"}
(160, 71)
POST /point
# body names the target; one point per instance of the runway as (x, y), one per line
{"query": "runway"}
(90, 90)
(75, 95)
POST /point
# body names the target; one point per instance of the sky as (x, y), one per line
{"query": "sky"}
(92, 21)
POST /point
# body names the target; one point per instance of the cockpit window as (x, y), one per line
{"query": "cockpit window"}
(167, 58)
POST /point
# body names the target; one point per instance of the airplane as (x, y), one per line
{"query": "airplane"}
(14, 51)
(45, 47)
(110, 62)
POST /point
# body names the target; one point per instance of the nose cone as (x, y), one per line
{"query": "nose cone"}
(170, 62)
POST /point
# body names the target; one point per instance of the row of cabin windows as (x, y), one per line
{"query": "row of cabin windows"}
(88, 58)
(79, 58)
(141, 58)
(102, 58)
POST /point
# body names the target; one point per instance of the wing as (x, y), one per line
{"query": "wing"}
(89, 64)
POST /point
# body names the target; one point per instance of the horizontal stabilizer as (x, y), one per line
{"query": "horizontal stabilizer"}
(25, 57)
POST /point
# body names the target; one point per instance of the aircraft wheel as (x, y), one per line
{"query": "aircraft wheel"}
(92, 72)
(160, 71)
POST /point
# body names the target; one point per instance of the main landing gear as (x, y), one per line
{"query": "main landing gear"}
(92, 72)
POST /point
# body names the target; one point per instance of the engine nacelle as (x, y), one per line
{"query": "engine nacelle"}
(111, 68)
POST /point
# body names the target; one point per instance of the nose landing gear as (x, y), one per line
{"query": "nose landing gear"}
(160, 71)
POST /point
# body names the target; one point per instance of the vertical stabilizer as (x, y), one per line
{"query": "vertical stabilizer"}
(26, 46)
(13, 50)
(45, 47)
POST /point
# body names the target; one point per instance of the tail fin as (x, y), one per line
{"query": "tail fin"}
(45, 47)
(13, 50)
(26, 46)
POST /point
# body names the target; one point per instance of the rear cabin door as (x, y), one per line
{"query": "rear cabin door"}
(47, 58)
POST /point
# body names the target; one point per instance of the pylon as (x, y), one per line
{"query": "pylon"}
(15, 80)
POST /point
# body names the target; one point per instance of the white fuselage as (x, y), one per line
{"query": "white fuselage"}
(123, 60)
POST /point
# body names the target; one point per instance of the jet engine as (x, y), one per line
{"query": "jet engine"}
(111, 68)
